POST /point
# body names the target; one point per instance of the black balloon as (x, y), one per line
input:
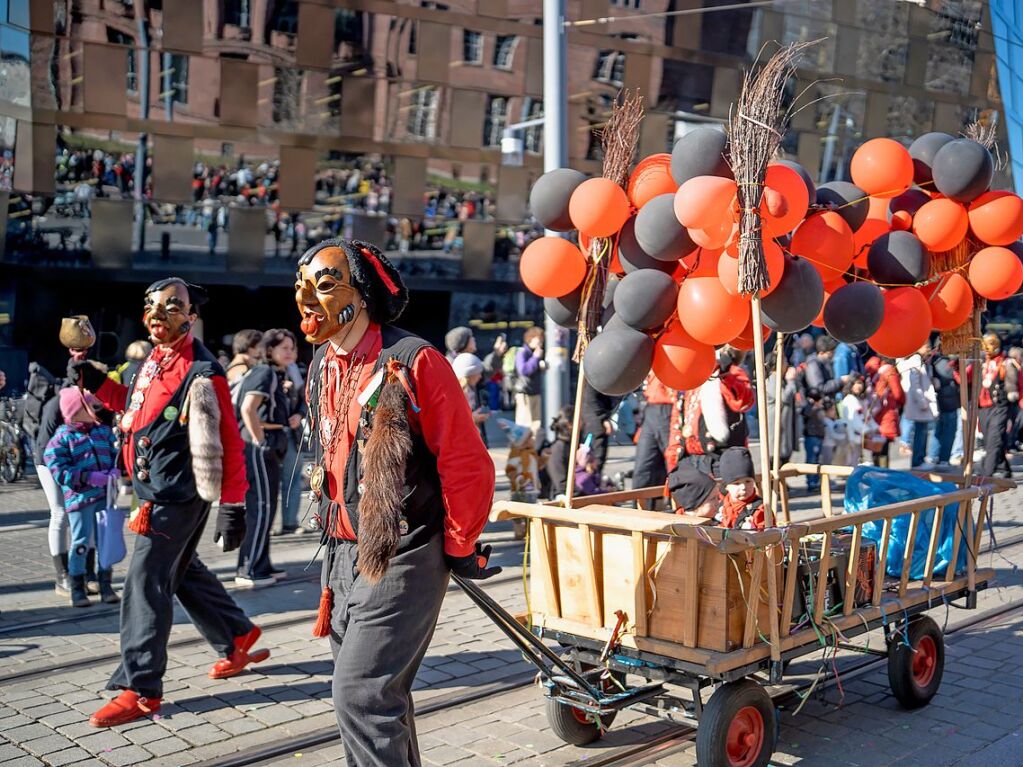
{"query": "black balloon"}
(632, 257)
(922, 151)
(851, 202)
(797, 300)
(854, 312)
(804, 174)
(963, 170)
(898, 258)
(548, 199)
(645, 299)
(618, 359)
(607, 306)
(700, 152)
(910, 201)
(565, 309)
(659, 233)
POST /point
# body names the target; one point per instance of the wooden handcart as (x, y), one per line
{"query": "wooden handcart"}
(685, 606)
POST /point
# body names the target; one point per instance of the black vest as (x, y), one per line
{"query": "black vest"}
(163, 458)
(423, 511)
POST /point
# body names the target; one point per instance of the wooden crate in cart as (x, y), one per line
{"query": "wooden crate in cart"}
(684, 604)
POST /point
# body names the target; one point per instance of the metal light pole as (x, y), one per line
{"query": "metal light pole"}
(555, 155)
(139, 227)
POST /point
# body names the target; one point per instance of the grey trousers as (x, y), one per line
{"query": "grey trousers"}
(164, 565)
(58, 532)
(379, 636)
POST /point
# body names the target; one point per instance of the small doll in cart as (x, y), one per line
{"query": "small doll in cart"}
(741, 507)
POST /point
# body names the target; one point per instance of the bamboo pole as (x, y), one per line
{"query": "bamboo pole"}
(765, 459)
(574, 444)
(780, 367)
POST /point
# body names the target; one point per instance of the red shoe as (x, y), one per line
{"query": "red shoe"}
(126, 707)
(236, 662)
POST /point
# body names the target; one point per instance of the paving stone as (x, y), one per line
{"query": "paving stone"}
(49, 744)
(101, 741)
(127, 755)
(74, 756)
(169, 745)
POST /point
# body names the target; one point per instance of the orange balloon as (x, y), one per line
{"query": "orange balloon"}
(951, 301)
(552, 267)
(792, 188)
(882, 167)
(680, 361)
(941, 224)
(877, 208)
(598, 207)
(651, 177)
(745, 341)
(864, 237)
(902, 221)
(615, 265)
(826, 241)
(715, 237)
(906, 324)
(728, 268)
(707, 311)
(996, 273)
(702, 262)
(705, 202)
(997, 218)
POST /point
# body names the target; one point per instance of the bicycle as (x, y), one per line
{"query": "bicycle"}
(12, 457)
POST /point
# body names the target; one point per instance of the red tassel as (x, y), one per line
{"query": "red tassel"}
(140, 524)
(322, 627)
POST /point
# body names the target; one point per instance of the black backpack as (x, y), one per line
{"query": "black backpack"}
(42, 387)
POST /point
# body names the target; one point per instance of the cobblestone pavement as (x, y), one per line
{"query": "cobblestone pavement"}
(973, 720)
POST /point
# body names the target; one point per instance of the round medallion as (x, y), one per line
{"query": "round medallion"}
(403, 526)
(126, 420)
(170, 413)
(316, 479)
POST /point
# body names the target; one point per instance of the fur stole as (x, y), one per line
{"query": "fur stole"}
(383, 462)
(204, 438)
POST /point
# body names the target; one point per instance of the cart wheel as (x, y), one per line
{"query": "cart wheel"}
(575, 726)
(915, 674)
(737, 728)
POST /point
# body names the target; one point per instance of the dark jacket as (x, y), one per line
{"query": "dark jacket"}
(530, 370)
(820, 375)
(945, 385)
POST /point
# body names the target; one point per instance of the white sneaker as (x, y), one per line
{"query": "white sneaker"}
(254, 583)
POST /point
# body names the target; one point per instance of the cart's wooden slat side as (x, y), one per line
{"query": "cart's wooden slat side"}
(907, 562)
(932, 546)
(826, 495)
(822, 579)
(590, 575)
(691, 620)
(753, 599)
(783, 491)
(540, 532)
(772, 598)
(978, 533)
(962, 523)
(639, 617)
(852, 571)
(882, 562)
(610, 499)
(791, 575)
(889, 511)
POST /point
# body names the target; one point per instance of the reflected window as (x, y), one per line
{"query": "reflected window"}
(496, 120)
(504, 51)
(952, 45)
(179, 78)
(237, 12)
(686, 87)
(726, 31)
(800, 29)
(15, 12)
(283, 17)
(883, 51)
(422, 118)
(598, 109)
(119, 38)
(626, 3)
(472, 47)
(908, 117)
(532, 137)
(610, 68)
(349, 28)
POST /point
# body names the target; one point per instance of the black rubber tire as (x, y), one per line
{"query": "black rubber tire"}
(906, 686)
(574, 726)
(726, 702)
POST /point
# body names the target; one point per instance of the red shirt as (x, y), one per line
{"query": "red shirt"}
(731, 509)
(657, 393)
(445, 423)
(177, 360)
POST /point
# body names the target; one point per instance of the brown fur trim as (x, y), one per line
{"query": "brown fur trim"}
(204, 438)
(383, 463)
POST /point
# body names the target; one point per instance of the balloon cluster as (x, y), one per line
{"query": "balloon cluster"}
(854, 258)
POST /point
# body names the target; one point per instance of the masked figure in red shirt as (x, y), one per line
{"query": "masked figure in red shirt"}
(180, 443)
(404, 485)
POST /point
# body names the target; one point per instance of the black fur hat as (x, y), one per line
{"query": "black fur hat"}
(373, 276)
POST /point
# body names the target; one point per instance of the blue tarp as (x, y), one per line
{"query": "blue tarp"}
(870, 486)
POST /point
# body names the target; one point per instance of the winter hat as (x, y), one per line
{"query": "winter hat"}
(736, 463)
(457, 339)
(690, 487)
(73, 399)
(466, 365)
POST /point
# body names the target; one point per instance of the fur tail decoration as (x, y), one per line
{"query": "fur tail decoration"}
(140, 522)
(204, 438)
(322, 627)
(384, 461)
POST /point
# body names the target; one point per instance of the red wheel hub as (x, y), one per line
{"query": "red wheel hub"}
(582, 716)
(745, 737)
(925, 661)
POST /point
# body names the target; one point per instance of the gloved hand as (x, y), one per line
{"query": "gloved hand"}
(474, 567)
(230, 530)
(97, 478)
(88, 374)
